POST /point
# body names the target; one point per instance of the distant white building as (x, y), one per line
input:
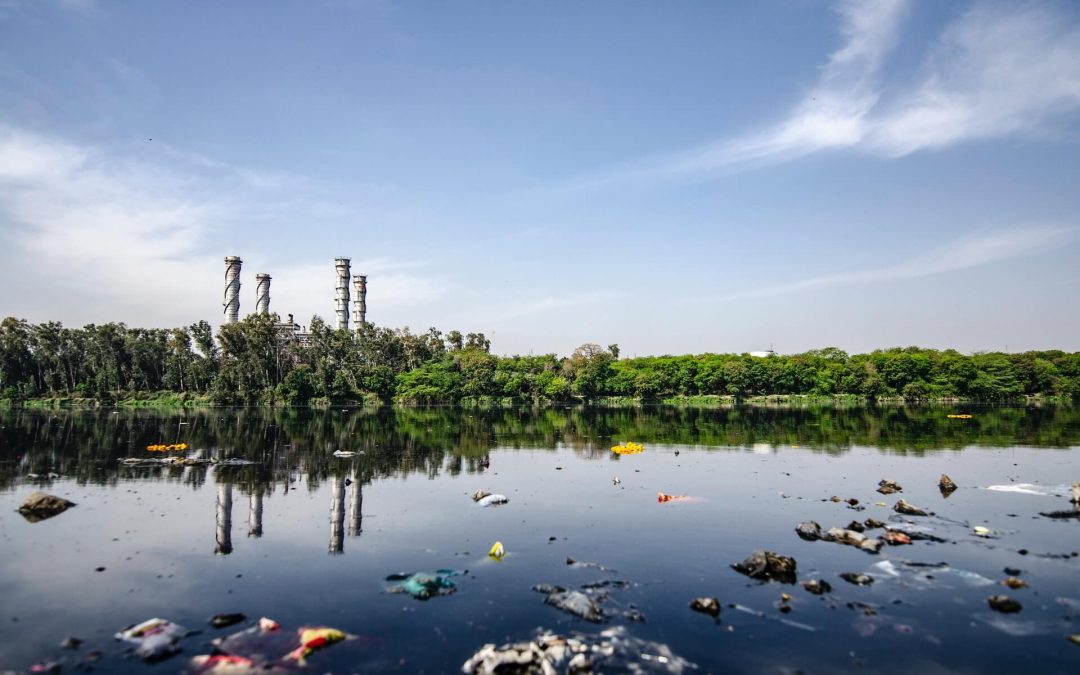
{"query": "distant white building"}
(762, 355)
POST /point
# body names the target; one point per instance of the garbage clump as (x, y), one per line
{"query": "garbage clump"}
(852, 538)
(767, 566)
(424, 585)
(480, 494)
(946, 485)
(266, 648)
(40, 506)
(154, 639)
(872, 524)
(1014, 583)
(710, 606)
(817, 586)
(497, 551)
(857, 578)
(1075, 639)
(314, 639)
(612, 650)
(582, 564)
(1004, 604)
(895, 538)
(888, 487)
(572, 602)
(902, 506)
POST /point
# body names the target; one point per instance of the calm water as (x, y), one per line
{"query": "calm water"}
(287, 538)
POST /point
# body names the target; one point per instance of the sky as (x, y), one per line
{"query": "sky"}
(672, 177)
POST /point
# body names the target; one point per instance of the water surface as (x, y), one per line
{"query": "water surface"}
(307, 538)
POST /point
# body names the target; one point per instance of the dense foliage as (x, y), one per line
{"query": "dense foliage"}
(253, 361)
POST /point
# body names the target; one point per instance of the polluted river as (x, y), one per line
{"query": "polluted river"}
(666, 540)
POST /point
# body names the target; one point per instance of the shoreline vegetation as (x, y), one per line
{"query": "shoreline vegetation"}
(257, 361)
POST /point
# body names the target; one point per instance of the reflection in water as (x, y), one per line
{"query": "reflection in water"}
(356, 504)
(224, 519)
(255, 511)
(337, 515)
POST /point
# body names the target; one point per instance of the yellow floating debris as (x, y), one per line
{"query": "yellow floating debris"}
(497, 551)
(167, 448)
(959, 417)
(628, 448)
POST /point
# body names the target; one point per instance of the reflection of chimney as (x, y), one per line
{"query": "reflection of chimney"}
(255, 514)
(356, 503)
(342, 267)
(262, 293)
(224, 520)
(360, 302)
(232, 288)
(337, 515)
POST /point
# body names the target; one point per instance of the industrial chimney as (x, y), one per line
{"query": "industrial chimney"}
(232, 288)
(360, 305)
(262, 293)
(342, 266)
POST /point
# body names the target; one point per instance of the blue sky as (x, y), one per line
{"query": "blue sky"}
(673, 177)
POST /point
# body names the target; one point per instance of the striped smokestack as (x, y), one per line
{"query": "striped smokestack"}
(342, 301)
(232, 288)
(262, 293)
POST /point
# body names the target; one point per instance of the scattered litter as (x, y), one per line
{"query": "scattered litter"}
(767, 565)
(154, 639)
(964, 416)
(852, 538)
(572, 602)
(345, 453)
(40, 506)
(497, 551)
(167, 448)
(1075, 638)
(612, 650)
(423, 585)
(1060, 514)
(946, 485)
(763, 615)
(856, 526)
(888, 487)
(314, 639)
(628, 448)
(1014, 583)
(71, 643)
(902, 506)
(615, 480)
(857, 579)
(808, 530)
(873, 524)
(710, 606)
(493, 500)
(817, 586)
(1004, 604)
(225, 620)
(985, 532)
(480, 494)
(927, 574)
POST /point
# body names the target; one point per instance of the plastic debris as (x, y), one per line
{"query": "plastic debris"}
(767, 566)
(1032, 489)
(1074, 496)
(852, 538)
(984, 532)
(314, 639)
(345, 453)
(1014, 583)
(663, 497)
(963, 416)
(493, 500)
(154, 639)
(628, 448)
(710, 606)
(581, 563)
(946, 485)
(857, 578)
(856, 526)
(927, 575)
(615, 480)
(497, 551)
(1004, 604)
(612, 650)
(902, 506)
(808, 530)
(894, 538)
(873, 524)
(424, 585)
(1060, 514)
(817, 586)
(225, 620)
(40, 506)
(763, 615)
(480, 494)
(1075, 639)
(572, 602)
(888, 487)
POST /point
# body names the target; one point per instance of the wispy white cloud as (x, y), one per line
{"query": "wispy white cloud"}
(997, 70)
(140, 239)
(553, 302)
(966, 253)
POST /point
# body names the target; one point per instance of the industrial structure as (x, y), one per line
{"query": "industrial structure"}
(289, 329)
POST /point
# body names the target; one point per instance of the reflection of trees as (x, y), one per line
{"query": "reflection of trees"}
(284, 443)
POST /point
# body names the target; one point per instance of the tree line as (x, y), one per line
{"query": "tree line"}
(255, 361)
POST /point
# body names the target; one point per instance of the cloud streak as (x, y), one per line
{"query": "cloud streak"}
(996, 71)
(955, 256)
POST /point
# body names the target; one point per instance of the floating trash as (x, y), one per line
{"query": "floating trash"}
(628, 448)
(497, 551)
(424, 585)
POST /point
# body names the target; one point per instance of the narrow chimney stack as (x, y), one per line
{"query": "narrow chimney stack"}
(342, 301)
(262, 293)
(360, 304)
(232, 288)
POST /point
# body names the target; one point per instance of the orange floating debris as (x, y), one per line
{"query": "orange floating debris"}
(663, 497)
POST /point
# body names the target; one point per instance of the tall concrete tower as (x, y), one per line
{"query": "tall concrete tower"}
(359, 282)
(342, 266)
(232, 288)
(262, 293)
